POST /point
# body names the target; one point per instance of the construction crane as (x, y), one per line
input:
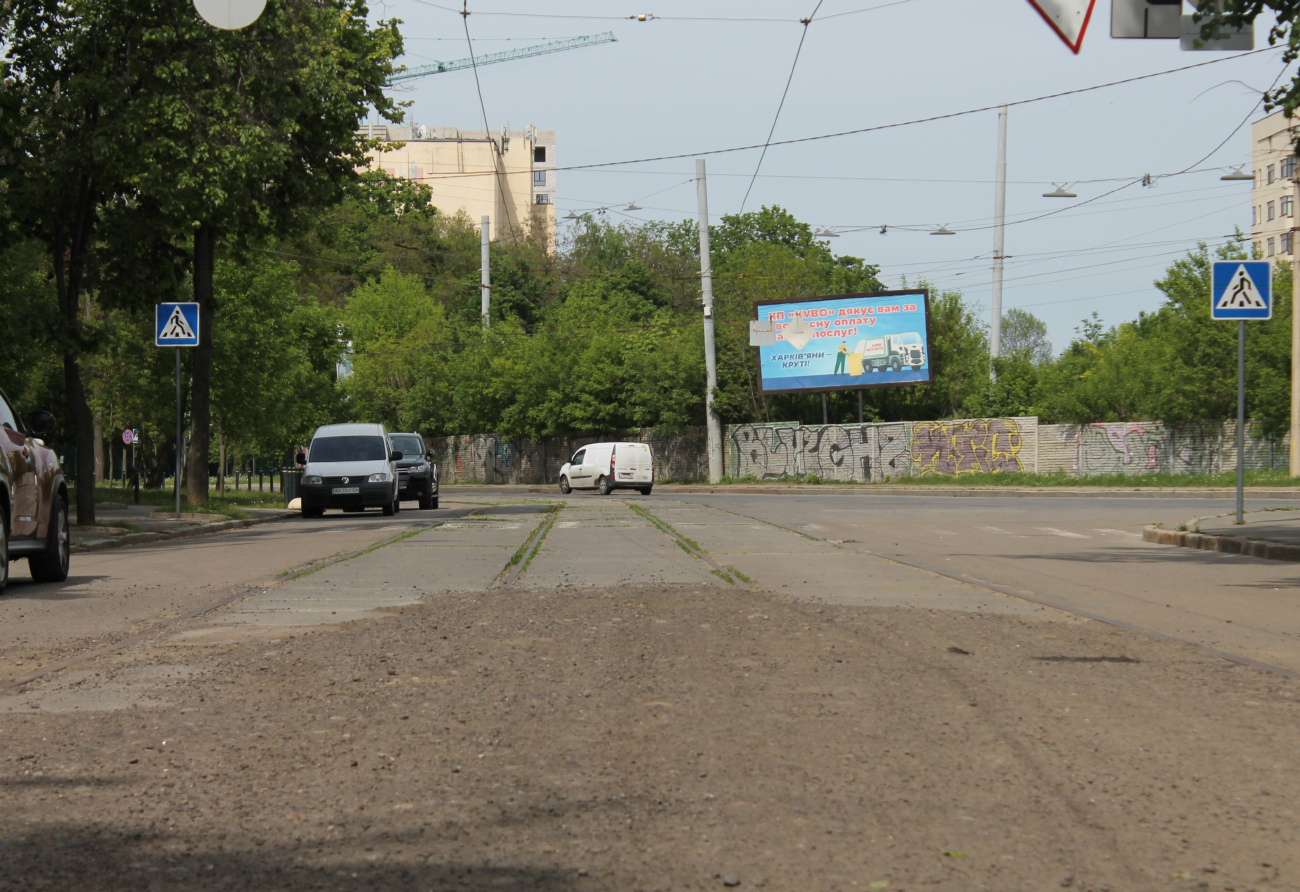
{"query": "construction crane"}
(554, 46)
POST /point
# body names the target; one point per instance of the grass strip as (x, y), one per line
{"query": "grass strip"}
(689, 546)
(523, 556)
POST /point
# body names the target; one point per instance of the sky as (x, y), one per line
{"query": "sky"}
(708, 75)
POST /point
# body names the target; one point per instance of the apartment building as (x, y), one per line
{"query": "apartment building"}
(507, 175)
(1273, 161)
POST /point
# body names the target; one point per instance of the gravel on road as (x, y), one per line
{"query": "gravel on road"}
(654, 738)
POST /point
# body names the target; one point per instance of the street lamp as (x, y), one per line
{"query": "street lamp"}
(1238, 175)
(826, 233)
(1059, 192)
(632, 207)
(943, 230)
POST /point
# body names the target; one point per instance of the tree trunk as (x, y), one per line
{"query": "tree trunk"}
(196, 461)
(69, 244)
(101, 465)
(221, 464)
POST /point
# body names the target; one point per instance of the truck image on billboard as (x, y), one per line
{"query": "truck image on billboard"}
(845, 342)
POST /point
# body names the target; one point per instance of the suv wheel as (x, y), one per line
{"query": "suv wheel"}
(427, 501)
(604, 487)
(565, 488)
(4, 549)
(391, 508)
(52, 565)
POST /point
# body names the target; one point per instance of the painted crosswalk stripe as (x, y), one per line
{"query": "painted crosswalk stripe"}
(1066, 533)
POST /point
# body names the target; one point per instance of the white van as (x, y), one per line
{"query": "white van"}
(349, 466)
(609, 466)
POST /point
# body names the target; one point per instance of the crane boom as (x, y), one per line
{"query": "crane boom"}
(554, 46)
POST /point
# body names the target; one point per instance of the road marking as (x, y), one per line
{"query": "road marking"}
(1066, 533)
(998, 530)
(1119, 533)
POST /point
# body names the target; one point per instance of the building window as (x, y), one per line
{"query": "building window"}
(1270, 247)
(1270, 173)
(543, 198)
(413, 172)
(539, 178)
(1270, 210)
(1254, 216)
(1288, 205)
(539, 154)
(1288, 242)
(1256, 252)
(1288, 168)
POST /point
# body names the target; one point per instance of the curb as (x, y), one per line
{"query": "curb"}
(1258, 548)
(932, 491)
(144, 538)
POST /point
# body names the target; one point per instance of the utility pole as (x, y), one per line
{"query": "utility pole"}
(485, 272)
(710, 356)
(999, 240)
(1294, 456)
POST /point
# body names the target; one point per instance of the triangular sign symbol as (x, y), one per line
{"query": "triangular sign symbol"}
(1241, 293)
(177, 328)
(1068, 18)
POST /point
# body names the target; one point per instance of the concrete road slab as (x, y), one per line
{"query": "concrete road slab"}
(460, 555)
(605, 543)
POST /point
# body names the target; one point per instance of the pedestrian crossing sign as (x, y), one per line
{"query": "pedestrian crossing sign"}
(176, 325)
(1241, 289)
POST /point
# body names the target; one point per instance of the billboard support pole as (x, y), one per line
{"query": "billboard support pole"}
(999, 241)
(859, 407)
(826, 415)
(710, 356)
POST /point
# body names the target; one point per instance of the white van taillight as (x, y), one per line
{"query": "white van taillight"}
(611, 461)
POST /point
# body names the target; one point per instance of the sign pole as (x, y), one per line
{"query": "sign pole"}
(1241, 418)
(178, 433)
(1293, 456)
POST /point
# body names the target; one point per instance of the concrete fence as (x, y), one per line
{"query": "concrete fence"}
(879, 452)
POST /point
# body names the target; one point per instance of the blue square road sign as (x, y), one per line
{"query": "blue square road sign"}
(1241, 289)
(176, 325)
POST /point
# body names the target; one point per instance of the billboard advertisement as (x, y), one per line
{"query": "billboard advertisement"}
(845, 342)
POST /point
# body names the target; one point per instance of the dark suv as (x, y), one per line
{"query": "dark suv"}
(417, 472)
(33, 498)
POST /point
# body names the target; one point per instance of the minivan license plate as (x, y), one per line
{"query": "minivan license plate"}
(346, 490)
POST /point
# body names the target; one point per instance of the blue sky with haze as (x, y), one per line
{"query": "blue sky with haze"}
(674, 85)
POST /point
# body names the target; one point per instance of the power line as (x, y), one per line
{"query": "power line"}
(898, 124)
(793, 65)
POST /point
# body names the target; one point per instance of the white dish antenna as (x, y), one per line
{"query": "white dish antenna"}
(229, 15)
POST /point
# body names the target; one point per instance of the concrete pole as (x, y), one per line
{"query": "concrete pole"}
(1294, 457)
(999, 239)
(485, 272)
(710, 356)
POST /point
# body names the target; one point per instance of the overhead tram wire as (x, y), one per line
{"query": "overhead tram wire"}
(478, 86)
(898, 124)
(789, 79)
(644, 17)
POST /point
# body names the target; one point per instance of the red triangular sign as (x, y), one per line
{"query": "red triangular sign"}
(1068, 18)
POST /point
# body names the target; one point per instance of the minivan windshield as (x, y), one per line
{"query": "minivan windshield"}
(410, 447)
(348, 449)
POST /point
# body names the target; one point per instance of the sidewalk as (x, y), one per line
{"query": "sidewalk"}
(121, 524)
(1272, 534)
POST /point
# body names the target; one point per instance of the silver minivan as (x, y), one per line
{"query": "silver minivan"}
(349, 466)
(606, 467)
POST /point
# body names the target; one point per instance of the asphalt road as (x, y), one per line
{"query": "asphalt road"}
(664, 692)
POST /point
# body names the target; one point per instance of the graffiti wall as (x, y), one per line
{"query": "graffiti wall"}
(879, 452)
(487, 458)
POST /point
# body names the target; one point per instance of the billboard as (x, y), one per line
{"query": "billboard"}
(845, 342)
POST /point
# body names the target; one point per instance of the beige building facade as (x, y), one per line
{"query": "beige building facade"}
(1273, 162)
(506, 175)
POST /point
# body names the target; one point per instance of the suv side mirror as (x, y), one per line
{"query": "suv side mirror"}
(301, 458)
(41, 423)
(396, 456)
(428, 456)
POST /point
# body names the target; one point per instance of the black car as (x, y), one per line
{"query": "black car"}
(417, 472)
